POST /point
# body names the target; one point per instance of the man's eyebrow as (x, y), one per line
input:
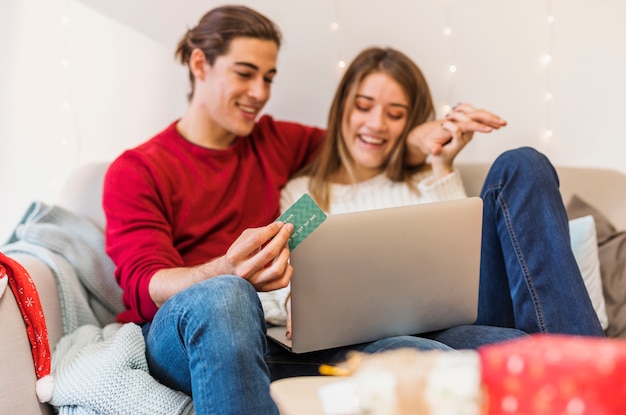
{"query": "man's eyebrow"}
(372, 99)
(253, 66)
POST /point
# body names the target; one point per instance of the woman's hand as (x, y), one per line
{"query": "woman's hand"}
(424, 140)
(469, 118)
(442, 158)
(288, 323)
(442, 140)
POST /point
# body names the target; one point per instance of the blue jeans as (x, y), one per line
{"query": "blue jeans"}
(208, 341)
(529, 277)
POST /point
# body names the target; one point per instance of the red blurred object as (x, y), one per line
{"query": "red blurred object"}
(554, 375)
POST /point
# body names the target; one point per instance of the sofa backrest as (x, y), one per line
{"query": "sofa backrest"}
(603, 188)
(82, 192)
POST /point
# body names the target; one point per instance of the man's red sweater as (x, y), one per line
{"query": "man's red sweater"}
(170, 203)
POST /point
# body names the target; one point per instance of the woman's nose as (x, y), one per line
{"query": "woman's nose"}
(376, 119)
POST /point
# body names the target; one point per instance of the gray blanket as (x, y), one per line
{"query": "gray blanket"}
(73, 248)
(104, 371)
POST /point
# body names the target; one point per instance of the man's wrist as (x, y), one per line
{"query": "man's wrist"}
(416, 158)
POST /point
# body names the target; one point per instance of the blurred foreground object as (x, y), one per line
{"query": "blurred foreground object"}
(535, 375)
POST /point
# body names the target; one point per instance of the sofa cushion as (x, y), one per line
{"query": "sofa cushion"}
(585, 248)
(612, 256)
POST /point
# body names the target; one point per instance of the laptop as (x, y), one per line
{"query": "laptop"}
(369, 275)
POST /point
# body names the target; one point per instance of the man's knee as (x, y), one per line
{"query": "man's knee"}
(223, 295)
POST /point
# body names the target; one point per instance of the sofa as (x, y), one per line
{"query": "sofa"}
(586, 191)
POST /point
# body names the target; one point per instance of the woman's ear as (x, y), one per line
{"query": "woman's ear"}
(197, 64)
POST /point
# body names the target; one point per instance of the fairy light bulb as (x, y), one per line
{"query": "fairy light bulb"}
(334, 27)
(546, 60)
(70, 137)
(449, 35)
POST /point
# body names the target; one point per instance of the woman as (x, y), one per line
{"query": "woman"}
(362, 165)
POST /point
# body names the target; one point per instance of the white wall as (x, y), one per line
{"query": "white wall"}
(76, 86)
(82, 80)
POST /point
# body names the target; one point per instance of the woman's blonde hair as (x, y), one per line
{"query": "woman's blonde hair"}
(334, 153)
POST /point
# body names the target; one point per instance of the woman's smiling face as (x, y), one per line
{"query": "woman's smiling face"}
(374, 123)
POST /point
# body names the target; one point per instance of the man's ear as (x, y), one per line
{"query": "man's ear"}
(197, 64)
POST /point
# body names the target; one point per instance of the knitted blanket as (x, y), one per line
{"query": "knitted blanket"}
(73, 248)
(104, 371)
(95, 370)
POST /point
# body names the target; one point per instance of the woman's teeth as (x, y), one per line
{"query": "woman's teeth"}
(371, 140)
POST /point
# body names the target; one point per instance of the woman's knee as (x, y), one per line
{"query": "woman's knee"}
(524, 157)
(534, 166)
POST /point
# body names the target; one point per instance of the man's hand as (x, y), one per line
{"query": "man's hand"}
(261, 256)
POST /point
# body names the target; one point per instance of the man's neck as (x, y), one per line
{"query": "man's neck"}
(197, 129)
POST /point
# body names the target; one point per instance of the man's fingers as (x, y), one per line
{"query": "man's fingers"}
(277, 275)
(275, 246)
(465, 112)
(251, 240)
(256, 248)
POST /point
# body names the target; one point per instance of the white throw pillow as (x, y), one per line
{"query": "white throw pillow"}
(585, 246)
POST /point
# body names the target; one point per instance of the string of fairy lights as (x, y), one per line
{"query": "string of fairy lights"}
(334, 27)
(448, 33)
(70, 135)
(545, 60)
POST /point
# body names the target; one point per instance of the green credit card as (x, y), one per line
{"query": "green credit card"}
(306, 216)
